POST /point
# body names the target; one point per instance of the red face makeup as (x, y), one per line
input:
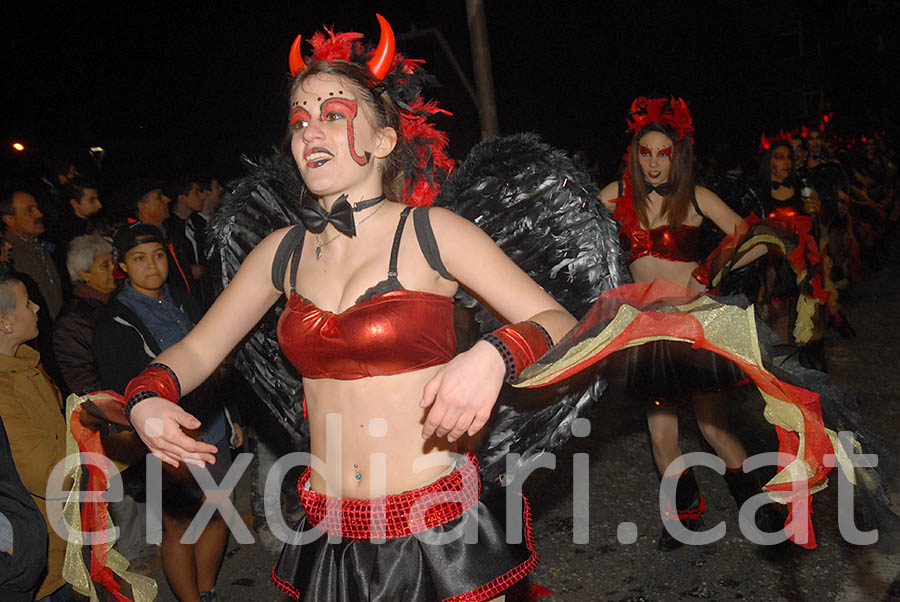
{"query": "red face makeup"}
(299, 118)
(655, 157)
(662, 153)
(341, 108)
(333, 140)
(332, 110)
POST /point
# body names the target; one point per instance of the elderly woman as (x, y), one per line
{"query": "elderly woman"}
(90, 265)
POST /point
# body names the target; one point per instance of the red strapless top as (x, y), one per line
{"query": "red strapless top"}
(389, 330)
(394, 332)
(674, 243)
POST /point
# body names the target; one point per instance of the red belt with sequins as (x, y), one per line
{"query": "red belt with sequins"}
(396, 515)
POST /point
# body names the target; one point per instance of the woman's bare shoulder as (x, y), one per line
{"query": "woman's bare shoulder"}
(707, 199)
(608, 193)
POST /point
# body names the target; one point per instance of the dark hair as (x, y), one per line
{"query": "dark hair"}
(132, 193)
(74, 188)
(764, 177)
(6, 201)
(181, 186)
(677, 203)
(58, 165)
(8, 190)
(381, 110)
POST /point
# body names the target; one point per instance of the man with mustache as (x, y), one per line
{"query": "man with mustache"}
(30, 254)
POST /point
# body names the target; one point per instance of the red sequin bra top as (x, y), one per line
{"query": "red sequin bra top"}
(389, 330)
(674, 243)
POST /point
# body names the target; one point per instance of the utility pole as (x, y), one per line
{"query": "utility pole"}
(481, 61)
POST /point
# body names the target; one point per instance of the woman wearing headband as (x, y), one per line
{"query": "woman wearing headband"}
(659, 210)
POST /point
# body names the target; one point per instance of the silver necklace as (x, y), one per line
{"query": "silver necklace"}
(320, 244)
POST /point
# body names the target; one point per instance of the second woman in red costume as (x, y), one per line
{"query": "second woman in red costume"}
(659, 210)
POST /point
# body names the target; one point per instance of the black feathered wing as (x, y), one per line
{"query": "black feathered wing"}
(543, 212)
(257, 205)
(737, 194)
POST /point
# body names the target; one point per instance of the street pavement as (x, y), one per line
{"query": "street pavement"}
(590, 564)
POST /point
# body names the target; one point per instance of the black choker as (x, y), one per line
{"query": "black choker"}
(661, 190)
(776, 185)
(316, 218)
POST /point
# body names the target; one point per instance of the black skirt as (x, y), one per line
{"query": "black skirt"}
(670, 372)
(474, 563)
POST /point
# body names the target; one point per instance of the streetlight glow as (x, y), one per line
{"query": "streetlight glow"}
(18, 146)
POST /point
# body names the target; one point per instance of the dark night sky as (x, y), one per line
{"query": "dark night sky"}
(192, 86)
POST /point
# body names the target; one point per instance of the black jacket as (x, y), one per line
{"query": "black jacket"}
(20, 573)
(123, 347)
(184, 251)
(122, 344)
(73, 335)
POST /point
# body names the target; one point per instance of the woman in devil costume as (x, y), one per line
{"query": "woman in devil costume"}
(370, 277)
(659, 210)
(796, 316)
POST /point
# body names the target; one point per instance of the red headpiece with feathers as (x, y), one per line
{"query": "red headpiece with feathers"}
(669, 112)
(402, 79)
(766, 142)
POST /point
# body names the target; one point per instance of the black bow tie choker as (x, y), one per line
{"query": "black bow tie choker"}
(662, 189)
(316, 218)
(777, 185)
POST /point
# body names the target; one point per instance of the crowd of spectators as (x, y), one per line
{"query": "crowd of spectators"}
(90, 293)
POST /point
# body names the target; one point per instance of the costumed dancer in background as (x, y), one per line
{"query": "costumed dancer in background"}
(659, 210)
(369, 325)
(835, 205)
(796, 316)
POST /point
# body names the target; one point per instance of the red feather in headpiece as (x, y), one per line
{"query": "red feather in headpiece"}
(430, 146)
(333, 46)
(765, 143)
(669, 112)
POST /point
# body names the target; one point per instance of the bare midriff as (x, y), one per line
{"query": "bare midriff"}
(649, 268)
(366, 435)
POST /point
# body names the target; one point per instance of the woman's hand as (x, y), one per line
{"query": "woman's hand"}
(159, 424)
(462, 393)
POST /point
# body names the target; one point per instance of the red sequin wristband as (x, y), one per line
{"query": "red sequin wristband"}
(520, 345)
(158, 379)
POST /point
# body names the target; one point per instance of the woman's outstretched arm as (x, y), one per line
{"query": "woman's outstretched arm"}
(247, 298)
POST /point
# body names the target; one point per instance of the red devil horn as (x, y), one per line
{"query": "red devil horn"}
(295, 59)
(381, 60)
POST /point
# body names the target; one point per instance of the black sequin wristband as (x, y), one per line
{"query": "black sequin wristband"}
(135, 399)
(508, 359)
